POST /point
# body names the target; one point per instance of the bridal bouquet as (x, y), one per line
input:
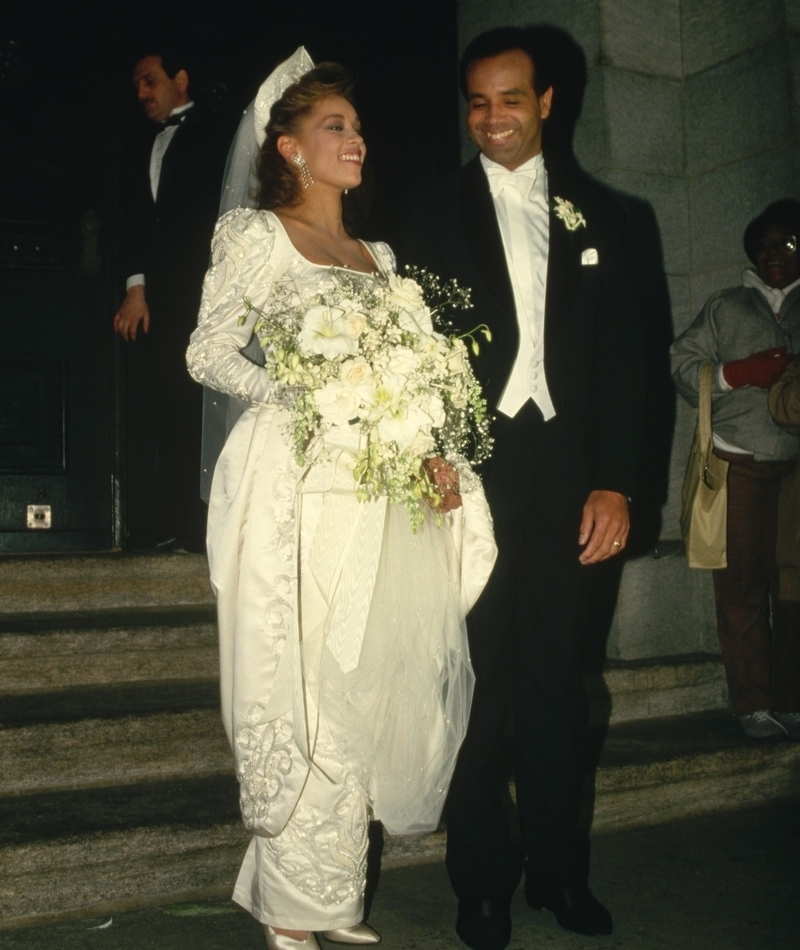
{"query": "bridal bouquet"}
(369, 371)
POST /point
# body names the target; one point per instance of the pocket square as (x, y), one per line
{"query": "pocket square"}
(589, 257)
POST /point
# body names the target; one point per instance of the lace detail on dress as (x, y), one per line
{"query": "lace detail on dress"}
(325, 856)
(283, 491)
(468, 480)
(263, 760)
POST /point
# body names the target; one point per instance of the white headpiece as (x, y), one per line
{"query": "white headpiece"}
(240, 190)
(274, 86)
(239, 183)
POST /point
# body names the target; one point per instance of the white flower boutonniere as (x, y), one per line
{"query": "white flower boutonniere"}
(569, 214)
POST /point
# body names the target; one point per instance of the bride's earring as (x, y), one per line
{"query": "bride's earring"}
(305, 174)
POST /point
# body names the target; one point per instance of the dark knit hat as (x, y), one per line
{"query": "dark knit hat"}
(784, 213)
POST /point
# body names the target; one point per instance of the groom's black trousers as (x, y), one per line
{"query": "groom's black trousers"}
(524, 635)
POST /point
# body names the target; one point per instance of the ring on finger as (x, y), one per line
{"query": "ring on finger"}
(616, 544)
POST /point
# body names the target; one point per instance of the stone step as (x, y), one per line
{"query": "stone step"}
(112, 751)
(178, 838)
(82, 582)
(51, 651)
(646, 689)
(91, 734)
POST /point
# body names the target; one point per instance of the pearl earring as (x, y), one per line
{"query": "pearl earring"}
(305, 174)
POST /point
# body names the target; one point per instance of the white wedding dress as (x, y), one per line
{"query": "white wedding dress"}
(345, 676)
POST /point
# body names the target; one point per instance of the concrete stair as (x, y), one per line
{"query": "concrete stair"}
(116, 781)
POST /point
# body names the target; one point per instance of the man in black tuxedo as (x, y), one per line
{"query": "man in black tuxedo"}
(171, 208)
(545, 258)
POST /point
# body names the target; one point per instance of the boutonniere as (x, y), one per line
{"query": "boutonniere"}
(569, 214)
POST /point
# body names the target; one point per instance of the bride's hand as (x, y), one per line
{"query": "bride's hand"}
(446, 481)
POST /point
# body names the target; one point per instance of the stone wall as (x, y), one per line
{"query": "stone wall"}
(692, 106)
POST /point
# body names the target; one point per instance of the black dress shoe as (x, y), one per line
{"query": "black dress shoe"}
(576, 908)
(484, 925)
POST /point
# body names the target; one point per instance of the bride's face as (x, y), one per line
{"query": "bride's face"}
(330, 141)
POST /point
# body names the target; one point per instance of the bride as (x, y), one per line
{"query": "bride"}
(345, 677)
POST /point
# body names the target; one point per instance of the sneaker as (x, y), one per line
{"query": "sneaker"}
(761, 725)
(790, 722)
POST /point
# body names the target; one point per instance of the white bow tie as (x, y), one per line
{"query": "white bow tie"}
(521, 181)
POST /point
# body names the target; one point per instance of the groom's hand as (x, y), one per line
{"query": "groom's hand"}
(604, 526)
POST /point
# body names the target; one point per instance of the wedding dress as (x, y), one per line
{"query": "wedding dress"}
(345, 676)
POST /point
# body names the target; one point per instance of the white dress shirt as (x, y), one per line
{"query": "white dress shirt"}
(160, 145)
(523, 215)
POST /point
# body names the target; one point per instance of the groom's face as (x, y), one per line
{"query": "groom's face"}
(505, 114)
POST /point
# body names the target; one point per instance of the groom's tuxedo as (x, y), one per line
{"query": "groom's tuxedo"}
(526, 627)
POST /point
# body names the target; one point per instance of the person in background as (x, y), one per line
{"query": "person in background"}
(171, 210)
(749, 333)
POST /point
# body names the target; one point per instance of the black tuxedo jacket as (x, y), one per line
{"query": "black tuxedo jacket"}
(593, 353)
(168, 239)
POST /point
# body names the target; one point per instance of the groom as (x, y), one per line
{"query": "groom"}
(545, 258)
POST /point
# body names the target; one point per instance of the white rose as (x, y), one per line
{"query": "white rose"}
(337, 404)
(405, 293)
(456, 361)
(355, 323)
(422, 445)
(402, 360)
(418, 322)
(435, 410)
(356, 372)
(323, 332)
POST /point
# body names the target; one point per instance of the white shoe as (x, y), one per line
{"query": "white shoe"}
(359, 934)
(761, 725)
(790, 722)
(277, 941)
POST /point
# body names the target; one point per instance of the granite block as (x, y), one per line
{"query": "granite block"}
(580, 18)
(644, 116)
(669, 199)
(793, 40)
(685, 607)
(715, 30)
(643, 35)
(590, 142)
(682, 316)
(723, 201)
(722, 125)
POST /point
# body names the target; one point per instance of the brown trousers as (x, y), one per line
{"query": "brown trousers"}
(761, 654)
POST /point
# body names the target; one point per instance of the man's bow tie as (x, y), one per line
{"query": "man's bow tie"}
(175, 119)
(521, 181)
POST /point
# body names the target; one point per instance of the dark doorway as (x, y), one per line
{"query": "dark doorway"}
(68, 401)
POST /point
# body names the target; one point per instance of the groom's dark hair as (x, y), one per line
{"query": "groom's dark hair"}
(503, 40)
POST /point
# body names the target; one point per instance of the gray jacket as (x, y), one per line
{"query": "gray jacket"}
(732, 325)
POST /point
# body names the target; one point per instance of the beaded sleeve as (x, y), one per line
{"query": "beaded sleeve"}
(244, 259)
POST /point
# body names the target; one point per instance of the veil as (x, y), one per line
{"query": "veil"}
(240, 190)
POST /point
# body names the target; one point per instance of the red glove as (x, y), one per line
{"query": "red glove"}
(761, 369)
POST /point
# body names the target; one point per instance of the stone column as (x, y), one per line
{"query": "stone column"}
(692, 106)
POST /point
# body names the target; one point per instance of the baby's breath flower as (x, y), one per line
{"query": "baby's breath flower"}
(378, 362)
